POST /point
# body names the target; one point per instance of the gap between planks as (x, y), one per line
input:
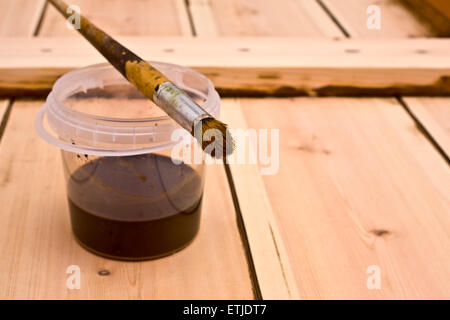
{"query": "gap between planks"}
(434, 115)
(5, 108)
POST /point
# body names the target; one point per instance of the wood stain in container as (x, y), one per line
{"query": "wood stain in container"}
(135, 207)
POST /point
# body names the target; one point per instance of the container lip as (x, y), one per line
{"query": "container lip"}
(45, 135)
(98, 135)
(212, 93)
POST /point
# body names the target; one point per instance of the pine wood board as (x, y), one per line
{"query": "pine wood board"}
(124, 18)
(20, 17)
(396, 20)
(272, 267)
(358, 185)
(253, 66)
(281, 18)
(37, 243)
(434, 115)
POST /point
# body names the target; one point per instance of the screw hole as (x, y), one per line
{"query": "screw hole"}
(421, 51)
(104, 273)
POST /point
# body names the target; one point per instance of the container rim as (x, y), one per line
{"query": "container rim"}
(96, 134)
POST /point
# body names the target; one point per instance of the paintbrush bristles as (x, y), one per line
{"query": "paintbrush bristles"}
(215, 136)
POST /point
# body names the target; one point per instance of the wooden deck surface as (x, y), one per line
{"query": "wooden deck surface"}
(344, 198)
(361, 181)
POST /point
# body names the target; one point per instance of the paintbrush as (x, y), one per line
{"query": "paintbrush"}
(158, 88)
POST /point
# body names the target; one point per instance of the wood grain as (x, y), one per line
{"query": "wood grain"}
(434, 115)
(124, 18)
(358, 185)
(280, 18)
(396, 20)
(252, 66)
(20, 17)
(36, 241)
(37, 244)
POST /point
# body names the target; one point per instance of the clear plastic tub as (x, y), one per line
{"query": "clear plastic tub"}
(128, 200)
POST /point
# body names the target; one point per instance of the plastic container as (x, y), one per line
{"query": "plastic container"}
(128, 199)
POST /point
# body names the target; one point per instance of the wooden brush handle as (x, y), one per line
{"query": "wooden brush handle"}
(154, 85)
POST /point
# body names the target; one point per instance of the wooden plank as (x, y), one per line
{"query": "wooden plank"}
(37, 243)
(436, 13)
(358, 185)
(20, 17)
(282, 18)
(251, 66)
(434, 115)
(273, 269)
(124, 18)
(396, 20)
(203, 18)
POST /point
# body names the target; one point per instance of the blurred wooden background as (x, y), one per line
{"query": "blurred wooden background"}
(364, 179)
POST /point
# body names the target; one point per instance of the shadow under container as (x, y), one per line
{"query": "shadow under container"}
(128, 200)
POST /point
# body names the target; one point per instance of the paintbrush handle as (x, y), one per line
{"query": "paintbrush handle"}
(153, 84)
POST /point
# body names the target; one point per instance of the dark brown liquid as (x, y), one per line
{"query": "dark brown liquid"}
(136, 207)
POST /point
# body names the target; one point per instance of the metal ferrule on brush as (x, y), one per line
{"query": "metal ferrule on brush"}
(179, 106)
